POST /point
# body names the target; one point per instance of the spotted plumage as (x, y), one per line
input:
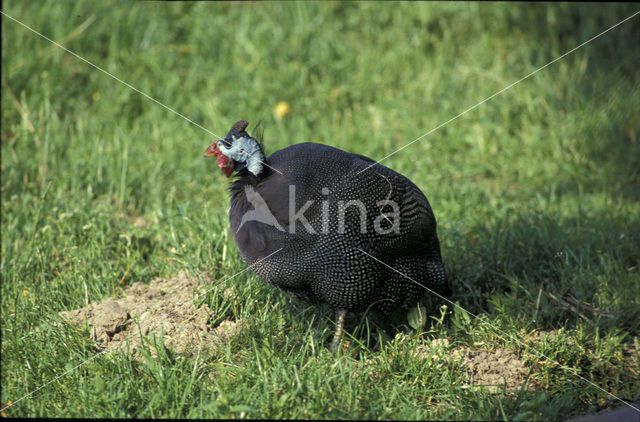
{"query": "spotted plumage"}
(325, 247)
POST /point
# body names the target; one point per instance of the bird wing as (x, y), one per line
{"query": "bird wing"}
(417, 223)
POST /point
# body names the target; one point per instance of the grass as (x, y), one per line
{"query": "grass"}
(536, 191)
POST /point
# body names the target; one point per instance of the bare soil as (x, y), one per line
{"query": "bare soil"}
(165, 306)
(494, 369)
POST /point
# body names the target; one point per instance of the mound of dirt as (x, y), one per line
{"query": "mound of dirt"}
(164, 306)
(495, 369)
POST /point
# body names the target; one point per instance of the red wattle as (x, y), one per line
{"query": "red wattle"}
(225, 164)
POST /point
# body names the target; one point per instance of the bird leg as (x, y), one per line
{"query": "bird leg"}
(337, 336)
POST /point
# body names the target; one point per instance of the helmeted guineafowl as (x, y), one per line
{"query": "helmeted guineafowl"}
(311, 222)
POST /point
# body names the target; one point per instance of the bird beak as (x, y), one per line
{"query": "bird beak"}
(225, 164)
(213, 150)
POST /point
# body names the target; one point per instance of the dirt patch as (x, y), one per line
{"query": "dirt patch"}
(499, 367)
(164, 306)
(495, 369)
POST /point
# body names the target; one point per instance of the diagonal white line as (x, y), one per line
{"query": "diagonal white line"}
(114, 77)
(272, 168)
(121, 81)
(501, 331)
(127, 338)
(499, 92)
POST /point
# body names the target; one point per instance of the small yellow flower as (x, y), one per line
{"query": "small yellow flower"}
(281, 109)
(96, 96)
(3, 413)
(25, 293)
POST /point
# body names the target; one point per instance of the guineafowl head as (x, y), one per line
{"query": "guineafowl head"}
(238, 151)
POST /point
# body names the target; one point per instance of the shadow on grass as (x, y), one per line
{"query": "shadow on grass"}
(552, 272)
